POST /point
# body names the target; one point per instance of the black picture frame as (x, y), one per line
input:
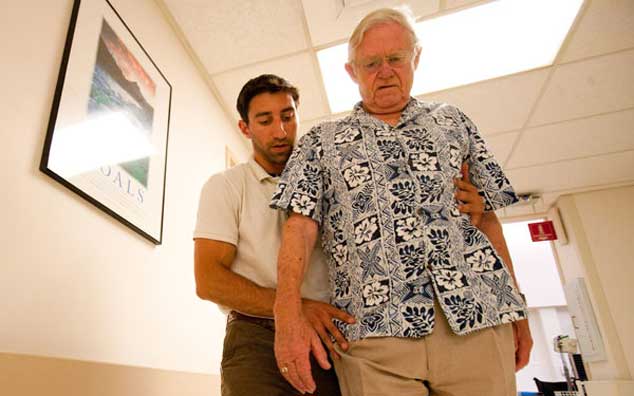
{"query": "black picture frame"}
(108, 130)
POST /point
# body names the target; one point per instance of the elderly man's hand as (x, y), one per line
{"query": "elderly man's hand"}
(523, 343)
(320, 315)
(471, 201)
(295, 339)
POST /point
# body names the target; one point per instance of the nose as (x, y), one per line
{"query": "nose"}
(385, 70)
(279, 129)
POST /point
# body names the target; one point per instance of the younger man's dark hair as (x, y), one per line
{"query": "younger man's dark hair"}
(263, 83)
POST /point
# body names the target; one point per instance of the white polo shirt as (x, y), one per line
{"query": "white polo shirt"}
(234, 208)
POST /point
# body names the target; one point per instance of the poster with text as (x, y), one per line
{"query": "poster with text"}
(109, 126)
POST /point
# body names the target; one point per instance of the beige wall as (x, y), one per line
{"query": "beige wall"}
(600, 225)
(75, 283)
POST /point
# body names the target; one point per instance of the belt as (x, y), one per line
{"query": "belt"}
(262, 322)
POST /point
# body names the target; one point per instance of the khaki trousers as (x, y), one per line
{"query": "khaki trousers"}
(440, 364)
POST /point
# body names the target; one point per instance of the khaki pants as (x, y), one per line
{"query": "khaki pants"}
(440, 364)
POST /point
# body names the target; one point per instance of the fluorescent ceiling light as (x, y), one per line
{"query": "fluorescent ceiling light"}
(492, 40)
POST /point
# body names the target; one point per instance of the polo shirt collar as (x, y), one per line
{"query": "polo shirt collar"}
(258, 171)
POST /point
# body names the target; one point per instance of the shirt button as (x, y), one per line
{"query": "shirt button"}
(419, 211)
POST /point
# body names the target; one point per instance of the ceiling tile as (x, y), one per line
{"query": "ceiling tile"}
(355, 3)
(606, 26)
(497, 105)
(501, 145)
(331, 21)
(574, 139)
(580, 173)
(459, 3)
(298, 69)
(598, 85)
(226, 33)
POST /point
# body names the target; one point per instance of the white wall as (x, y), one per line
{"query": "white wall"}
(600, 226)
(544, 364)
(536, 271)
(75, 283)
(534, 266)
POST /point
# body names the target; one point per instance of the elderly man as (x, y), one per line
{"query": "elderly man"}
(435, 300)
(237, 237)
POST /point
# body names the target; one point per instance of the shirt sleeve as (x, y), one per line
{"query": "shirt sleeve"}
(218, 211)
(485, 172)
(300, 188)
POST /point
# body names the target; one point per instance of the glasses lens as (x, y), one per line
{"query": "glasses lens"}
(397, 59)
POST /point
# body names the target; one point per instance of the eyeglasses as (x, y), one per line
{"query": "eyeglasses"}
(395, 60)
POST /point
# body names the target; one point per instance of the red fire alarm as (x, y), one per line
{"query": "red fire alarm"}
(543, 231)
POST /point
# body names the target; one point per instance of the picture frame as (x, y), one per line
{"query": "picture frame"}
(108, 131)
(230, 158)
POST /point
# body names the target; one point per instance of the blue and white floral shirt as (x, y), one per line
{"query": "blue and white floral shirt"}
(391, 229)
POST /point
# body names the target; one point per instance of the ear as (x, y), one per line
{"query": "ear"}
(417, 57)
(351, 72)
(244, 128)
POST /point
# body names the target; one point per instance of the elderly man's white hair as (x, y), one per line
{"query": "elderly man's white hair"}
(401, 15)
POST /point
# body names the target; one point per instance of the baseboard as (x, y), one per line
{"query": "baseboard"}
(27, 375)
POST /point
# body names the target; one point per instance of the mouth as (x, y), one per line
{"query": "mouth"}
(280, 147)
(387, 87)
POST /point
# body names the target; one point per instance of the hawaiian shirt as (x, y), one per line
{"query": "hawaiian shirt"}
(391, 230)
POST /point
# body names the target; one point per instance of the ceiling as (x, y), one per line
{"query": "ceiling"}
(559, 129)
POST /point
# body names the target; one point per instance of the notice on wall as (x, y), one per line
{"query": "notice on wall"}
(542, 231)
(584, 321)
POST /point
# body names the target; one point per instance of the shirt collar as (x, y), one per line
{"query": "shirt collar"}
(411, 110)
(259, 172)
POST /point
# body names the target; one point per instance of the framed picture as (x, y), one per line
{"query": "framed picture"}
(230, 159)
(109, 125)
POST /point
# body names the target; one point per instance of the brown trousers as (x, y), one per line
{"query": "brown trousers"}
(248, 365)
